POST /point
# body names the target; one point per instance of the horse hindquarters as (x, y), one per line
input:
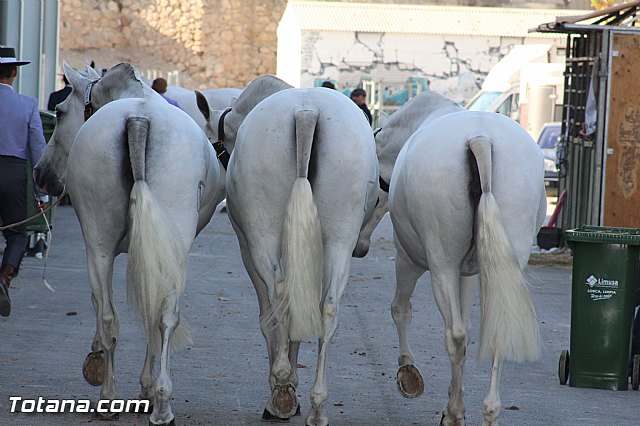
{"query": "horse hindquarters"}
(155, 270)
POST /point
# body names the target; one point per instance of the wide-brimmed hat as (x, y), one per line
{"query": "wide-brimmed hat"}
(8, 57)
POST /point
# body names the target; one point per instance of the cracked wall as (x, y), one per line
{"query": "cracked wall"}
(454, 65)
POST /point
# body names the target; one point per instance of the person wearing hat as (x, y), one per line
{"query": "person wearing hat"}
(59, 96)
(359, 96)
(20, 136)
(160, 86)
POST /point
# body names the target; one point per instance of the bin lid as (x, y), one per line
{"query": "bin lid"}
(604, 235)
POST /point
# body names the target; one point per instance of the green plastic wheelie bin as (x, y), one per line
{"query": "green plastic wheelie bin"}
(604, 294)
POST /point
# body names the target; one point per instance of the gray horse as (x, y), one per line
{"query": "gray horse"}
(302, 179)
(466, 198)
(124, 169)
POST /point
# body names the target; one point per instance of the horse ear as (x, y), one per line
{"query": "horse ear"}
(384, 117)
(93, 74)
(138, 75)
(75, 78)
(203, 105)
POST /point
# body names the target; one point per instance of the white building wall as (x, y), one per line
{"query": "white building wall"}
(289, 57)
(454, 65)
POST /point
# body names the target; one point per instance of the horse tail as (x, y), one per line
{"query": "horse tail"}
(302, 260)
(509, 324)
(155, 270)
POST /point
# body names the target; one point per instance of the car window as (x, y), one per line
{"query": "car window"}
(482, 102)
(549, 137)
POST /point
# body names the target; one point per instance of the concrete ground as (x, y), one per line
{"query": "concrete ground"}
(222, 378)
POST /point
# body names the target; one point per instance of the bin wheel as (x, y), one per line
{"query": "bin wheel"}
(563, 367)
(635, 373)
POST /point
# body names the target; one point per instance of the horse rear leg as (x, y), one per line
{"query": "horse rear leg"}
(336, 273)
(446, 290)
(147, 377)
(163, 390)
(409, 381)
(267, 325)
(491, 404)
(100, 268)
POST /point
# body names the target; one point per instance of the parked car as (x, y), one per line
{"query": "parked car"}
(547, 141)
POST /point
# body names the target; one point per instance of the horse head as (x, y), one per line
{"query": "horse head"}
(50, 172)
(88, 94)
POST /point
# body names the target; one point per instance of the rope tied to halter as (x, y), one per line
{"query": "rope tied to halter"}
(35, 216)
(221, 151)
(88, 107)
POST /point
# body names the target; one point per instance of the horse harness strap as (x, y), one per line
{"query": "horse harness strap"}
(383, 184)
(88, 108)
(221, 151)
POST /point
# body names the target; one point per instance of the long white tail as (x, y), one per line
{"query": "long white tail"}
(155, 269)
(509, 324)
(302, 258)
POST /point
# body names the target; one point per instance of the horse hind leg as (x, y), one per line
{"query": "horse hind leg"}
(491, 404)
(147, 377)
(447, 295)
(170, 318)
(408, 379)
(284, 402)
(339, 262)
(93, 366)
(108, 325)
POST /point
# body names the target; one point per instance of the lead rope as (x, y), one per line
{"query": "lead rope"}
(49, 235)
(46, 253)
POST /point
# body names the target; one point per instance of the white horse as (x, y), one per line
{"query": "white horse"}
(218, 99)
(301, 181)
(124, 171)
(466, 198)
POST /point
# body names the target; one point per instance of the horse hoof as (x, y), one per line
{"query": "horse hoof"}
(93, 368)
(460, 422)
(268, 417)
(409, 381)
(284, 401)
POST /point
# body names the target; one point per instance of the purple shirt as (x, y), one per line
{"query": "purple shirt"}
(171, 101)
(20, 126)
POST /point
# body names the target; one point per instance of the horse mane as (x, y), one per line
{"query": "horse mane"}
(257, 90)
(121, 77)
(426, 102)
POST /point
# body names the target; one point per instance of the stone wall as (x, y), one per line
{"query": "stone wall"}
(213, 43)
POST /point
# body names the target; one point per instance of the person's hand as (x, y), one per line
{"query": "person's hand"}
(39, 204)
(40, 201)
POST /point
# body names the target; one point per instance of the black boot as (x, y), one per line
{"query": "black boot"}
(7, 272)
